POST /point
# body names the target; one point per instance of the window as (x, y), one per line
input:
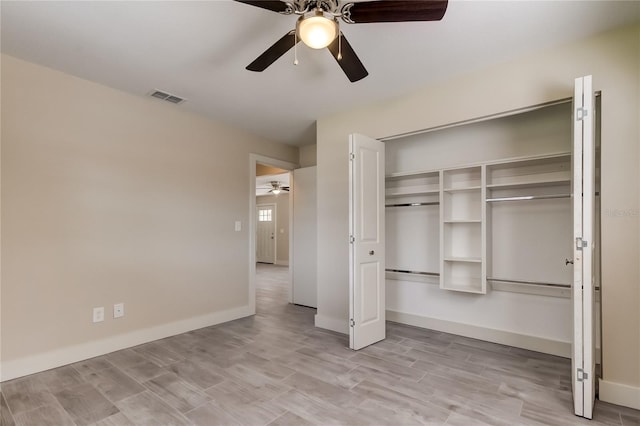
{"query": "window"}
(264, 215)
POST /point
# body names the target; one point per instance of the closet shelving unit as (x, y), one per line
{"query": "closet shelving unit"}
(462, 230)
(456, 243)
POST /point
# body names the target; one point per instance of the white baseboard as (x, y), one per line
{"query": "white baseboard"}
(619, 394)
(534, 343)
(68, 355)
(333, 324)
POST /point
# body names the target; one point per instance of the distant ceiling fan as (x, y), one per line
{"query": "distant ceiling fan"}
(276, 187)
(318, 26)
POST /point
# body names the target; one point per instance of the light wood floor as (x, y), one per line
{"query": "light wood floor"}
(277, 369)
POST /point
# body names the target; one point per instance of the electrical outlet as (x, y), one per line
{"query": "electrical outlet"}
(118, 310)
(98, 314)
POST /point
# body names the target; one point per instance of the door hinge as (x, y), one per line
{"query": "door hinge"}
(581, 375)
(581, 113)
(352, 156)
(351, 239)
(352, 323)
(580, 243)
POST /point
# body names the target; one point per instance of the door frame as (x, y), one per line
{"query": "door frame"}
(275, 229)
(254, 159)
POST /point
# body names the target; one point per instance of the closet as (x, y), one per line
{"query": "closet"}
(479, 228)
(489, 229)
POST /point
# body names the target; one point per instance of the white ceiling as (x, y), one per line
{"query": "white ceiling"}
(198, 50)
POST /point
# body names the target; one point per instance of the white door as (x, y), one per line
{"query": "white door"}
(366, 229)
(583, 361)
(304, 259)
(266, 233)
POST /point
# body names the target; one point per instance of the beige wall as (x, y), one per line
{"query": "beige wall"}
(308, 155)
(282, 224)
(109, 197)
(613, 59)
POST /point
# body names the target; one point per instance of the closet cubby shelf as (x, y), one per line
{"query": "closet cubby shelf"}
(466, 285)
(465, 189)
(463, 259)
(462, 221)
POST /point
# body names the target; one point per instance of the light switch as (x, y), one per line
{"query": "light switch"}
(238, 226)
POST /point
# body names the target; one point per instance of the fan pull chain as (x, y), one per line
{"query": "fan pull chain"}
(339, 45)
(295, 48)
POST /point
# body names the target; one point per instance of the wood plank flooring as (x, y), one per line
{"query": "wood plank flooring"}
(277, 369)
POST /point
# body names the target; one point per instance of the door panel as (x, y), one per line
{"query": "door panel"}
(583, 360)
(367, 251)
(370, 303)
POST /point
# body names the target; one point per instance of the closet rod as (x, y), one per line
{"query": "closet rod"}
(528, 197)
(530, 282)
(431, 203)
(402, 271)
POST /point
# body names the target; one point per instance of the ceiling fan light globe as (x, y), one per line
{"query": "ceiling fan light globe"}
(316, 30)
(275, 191)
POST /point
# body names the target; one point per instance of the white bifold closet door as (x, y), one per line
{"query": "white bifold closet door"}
(366, 241)
(583, 360)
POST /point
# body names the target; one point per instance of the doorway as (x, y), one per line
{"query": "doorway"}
(270, 222)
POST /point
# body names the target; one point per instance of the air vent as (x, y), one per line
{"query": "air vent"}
(167, 97)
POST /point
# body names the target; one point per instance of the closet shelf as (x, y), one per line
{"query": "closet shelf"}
(404, 271)
(415, 174)
(467, 285)
(463, 189)
(410, 193)
(430, 203)
(528, 197)
(452, 221)
(463, 259)
(530, 184)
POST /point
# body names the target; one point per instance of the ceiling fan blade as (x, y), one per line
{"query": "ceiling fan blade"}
(350, 63)
(395, 11)
(270, 55)
(274, 5)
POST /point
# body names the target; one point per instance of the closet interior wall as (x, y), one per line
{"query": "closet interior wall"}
(479, 229)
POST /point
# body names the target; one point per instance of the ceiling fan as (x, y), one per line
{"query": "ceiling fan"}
(318, 26)
(276, 187)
